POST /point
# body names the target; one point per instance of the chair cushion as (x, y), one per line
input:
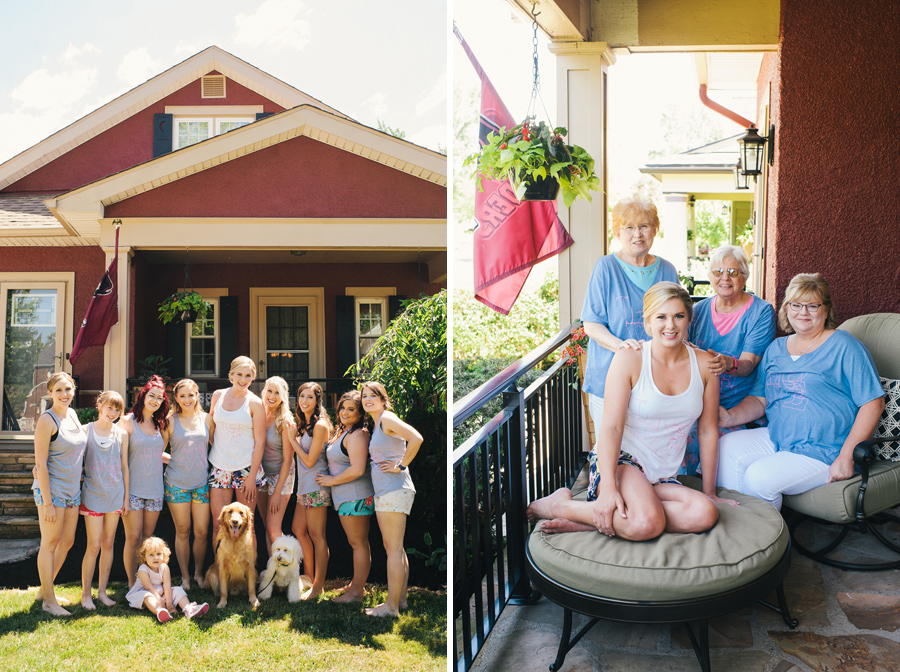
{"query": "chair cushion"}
(745, 543)
(836, 502)
(880, 332)
(889, 424)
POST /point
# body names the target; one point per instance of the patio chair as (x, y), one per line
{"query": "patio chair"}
(857, 504)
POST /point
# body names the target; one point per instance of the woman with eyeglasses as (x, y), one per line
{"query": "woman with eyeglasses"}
(820, 391)
(735, 327)
(614, 304)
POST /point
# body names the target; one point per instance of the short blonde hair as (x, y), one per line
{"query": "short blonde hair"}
(185, 382)
(54, 379)
(634, 211)
(111, 398)
(803, 287)
(240, 363)
(150, 544)
(658, 294)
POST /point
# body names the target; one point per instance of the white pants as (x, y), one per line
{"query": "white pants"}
(749, 463)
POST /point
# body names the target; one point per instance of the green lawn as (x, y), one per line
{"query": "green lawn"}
(278, 636)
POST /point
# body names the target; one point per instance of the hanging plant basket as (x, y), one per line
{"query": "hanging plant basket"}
(184, 307)
(529, 155)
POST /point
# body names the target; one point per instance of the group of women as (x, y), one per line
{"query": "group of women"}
(681, 401)
(243, 449)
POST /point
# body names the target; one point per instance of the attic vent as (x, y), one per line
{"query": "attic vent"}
(213, 86)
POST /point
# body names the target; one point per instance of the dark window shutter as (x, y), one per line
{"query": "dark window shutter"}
(394, 307)
(346, 334)
(263, 115)
(175, 338)
(228, 333)
(162, 134)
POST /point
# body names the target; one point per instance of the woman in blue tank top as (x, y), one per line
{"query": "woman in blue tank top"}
(59, 444)
(393, 446)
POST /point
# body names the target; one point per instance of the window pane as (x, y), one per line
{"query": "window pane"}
(29, 355)
(191, 132)
(225, 126)
(288, 365)
(203, 355)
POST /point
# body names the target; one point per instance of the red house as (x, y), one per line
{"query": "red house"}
(302, 227)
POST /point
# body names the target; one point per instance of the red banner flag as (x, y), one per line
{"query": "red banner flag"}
(103, 311)
(512, 235)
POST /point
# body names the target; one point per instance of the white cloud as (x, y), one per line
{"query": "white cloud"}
(276, 24)
(137, 67)
(41, 90)
(376, 104)
(433, 98)
(72, 52)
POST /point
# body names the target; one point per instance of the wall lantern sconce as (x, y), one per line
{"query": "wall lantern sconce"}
(741, 181)
(753, 150)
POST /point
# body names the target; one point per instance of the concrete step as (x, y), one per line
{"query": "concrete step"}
(19, 527)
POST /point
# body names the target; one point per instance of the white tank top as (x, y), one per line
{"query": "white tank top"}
(232, 448)
(657, 424)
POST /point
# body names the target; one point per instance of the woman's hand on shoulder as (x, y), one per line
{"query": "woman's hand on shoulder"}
(630, 344)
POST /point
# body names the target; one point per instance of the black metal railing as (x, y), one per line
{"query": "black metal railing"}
(530, 448)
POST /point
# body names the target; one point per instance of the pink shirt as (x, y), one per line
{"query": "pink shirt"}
(725, 322)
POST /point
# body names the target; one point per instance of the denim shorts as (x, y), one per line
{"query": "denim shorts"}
(59, 502)
(182, 496)
(358, 507)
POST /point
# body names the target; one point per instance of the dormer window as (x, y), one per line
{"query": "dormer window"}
(191, 130)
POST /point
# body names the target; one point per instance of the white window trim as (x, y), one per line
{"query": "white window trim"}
(212, 295)
(357, 300)
(214, 123)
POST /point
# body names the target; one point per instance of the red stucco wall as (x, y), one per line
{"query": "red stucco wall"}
(88, 264)
(126, 144)
(301, 177)
(158, 281)
(838, 205)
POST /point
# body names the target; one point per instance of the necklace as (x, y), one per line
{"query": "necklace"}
(797, 338)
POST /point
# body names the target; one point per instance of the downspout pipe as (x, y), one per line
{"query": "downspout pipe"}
(724, 111)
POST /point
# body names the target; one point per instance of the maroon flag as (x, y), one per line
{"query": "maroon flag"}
(512, 235)
(103, 311)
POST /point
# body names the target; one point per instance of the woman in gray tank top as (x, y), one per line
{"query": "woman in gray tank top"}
(278, 458)
(104, 493)
(146, 426)
(313, 500)
(187, 492)
(351, 488)
(59, 443)
(393, 446)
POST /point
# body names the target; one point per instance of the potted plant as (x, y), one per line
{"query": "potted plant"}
(534, 157)
(183, 306)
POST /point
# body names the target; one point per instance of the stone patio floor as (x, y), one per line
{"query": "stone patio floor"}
(849, 622)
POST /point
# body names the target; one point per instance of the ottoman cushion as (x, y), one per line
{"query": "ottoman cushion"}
(745, 543)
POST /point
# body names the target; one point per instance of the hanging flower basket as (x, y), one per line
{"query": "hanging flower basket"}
(536, 189)
(534, 151)
(183, 306)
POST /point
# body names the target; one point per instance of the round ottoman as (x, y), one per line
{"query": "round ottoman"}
(671, 579)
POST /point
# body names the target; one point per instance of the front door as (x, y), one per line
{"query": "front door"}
(288, 338)
(32, 345)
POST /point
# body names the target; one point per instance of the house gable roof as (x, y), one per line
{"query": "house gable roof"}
(137, 99)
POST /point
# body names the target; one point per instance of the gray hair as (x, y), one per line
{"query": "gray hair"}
(737, 253)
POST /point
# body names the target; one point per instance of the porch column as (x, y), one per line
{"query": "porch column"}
(675, 219)
(115, 352)
(581, 70)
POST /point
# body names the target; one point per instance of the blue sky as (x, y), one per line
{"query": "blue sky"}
(384, 60)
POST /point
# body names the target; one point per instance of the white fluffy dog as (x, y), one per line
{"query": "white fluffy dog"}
(283, 570)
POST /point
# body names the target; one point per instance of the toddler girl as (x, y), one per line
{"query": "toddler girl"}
(153, 586)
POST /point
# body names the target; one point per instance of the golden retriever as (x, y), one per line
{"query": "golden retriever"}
(234, 570)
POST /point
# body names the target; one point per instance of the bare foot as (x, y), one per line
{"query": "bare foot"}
(88, 603)
(55, 610)
(382, 610)
(558, 525)
(199, 581)
(543, 508)
(403, 605)
(104, 600)
(312, 594)
(349, 597)
(186, 583)
(342, 589)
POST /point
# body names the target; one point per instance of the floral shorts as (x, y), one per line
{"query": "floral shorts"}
(287, 488)
(181, 496)
(396, 501)
(219, 478)
(357, 507)
(84, 511)
(60, 502)
(312, 500)
(624, 458)
(140, 503)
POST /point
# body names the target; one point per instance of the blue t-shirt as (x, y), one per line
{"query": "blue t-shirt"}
(754, 330)
(617, 303)
(812, 402)
(643, 276)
